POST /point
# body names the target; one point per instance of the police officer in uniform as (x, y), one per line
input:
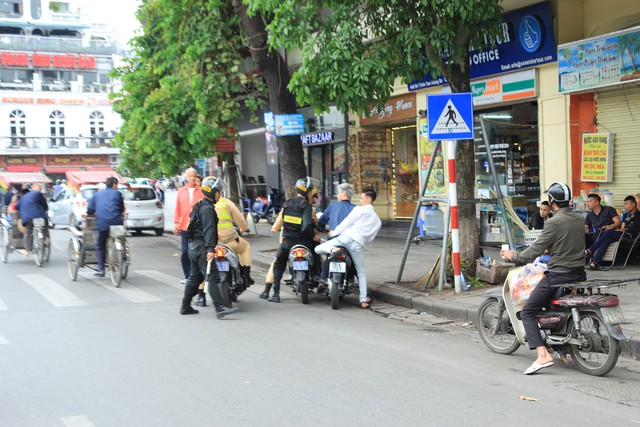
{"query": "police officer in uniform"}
(203, 237)
(298, 230)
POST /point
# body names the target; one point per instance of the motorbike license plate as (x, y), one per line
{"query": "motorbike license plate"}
(338, 267)
(301, 265)
(223, 265)
(612, 315)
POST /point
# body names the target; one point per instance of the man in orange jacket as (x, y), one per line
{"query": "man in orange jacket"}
(188, 196)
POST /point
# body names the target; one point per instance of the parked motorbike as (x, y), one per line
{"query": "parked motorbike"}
(584, 324)
(300, 265)
(232, 284)
(267, 208)
(342, 276)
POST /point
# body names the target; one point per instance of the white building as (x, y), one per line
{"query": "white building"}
(55, 112)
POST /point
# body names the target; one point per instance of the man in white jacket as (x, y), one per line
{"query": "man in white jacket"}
(357, 229)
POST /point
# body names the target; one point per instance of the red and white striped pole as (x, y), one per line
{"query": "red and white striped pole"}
(453, 208)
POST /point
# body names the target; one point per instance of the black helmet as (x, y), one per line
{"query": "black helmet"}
(210, 185)
(559, 192)
(307, 186)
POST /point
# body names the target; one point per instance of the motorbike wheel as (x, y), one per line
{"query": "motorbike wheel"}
(495, 333)
(72, 261)
(271, 217)
(38, 250)
(335, 290)
(599, 352)
(225, 293)
(303, 288)
(4, 244)
(116, 265)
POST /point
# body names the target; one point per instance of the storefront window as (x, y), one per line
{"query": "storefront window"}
(513, 135)
(404, 148)
(436, 184)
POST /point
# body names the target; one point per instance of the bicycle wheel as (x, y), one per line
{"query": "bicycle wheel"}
(38, 252)
(115, 264)
(4, 244)
(72, 261)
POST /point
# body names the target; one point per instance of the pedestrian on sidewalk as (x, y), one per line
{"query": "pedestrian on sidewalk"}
(563, 237)
(187, 196)
(359, 228)
(203, 238)
(335, 213)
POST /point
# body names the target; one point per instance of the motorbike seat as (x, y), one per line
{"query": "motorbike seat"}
(580, 301)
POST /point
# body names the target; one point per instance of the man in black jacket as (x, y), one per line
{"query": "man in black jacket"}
(203, 237)
(298, 229)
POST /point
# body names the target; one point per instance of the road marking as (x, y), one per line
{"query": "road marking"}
(54, 293)
(162, 278)
(129, 292)
(3, 340)
(77, 421)
(3, 306)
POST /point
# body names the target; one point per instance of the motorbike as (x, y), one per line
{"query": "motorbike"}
(584, 324)
(232, 284)
(342, 276)
(267, 208)
(300, 263)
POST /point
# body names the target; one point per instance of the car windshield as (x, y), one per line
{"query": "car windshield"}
(88, 193)
(139, 194)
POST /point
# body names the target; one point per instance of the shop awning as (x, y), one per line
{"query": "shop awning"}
(23, 168)
(99, 169)
(61, 169)
(9, 178)
(77, 178)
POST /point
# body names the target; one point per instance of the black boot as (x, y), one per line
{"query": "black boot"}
(265, 293)
(275, 297)
(202, 299)
(222, 311)
(245, 271)
(189, 293)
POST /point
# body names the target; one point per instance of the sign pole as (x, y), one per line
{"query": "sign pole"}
(453, 207)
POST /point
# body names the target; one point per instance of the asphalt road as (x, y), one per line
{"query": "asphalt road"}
(86, 354)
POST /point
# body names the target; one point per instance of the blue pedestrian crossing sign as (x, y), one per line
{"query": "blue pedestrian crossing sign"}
(450, 116)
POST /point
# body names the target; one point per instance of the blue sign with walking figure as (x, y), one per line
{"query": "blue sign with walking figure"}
(450, 116)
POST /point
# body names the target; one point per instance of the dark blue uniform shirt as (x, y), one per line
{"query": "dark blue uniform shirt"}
(32, 205)
(108, 206)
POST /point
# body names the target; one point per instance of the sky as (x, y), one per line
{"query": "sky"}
(119, 14)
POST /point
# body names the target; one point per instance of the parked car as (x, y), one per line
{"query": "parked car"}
(144, 210)
(70, 207)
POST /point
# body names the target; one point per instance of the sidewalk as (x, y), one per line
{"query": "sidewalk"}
(382, 260)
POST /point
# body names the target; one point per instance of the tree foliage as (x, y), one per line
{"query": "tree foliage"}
(181, 85)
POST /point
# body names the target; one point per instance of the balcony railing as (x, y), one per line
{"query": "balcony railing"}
(57, 44)
(45, 143)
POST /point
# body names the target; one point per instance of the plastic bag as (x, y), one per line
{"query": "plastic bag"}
(523, 280)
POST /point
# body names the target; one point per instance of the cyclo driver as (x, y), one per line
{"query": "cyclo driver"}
(202, 232)
(298, 229)
(563, 237)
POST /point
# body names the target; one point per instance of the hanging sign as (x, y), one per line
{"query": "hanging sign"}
(597, 157)
(289, 124)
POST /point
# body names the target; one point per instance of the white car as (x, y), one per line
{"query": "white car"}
(70, 207)
(143, 209)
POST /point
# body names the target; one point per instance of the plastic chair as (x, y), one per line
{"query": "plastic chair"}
(612, 251)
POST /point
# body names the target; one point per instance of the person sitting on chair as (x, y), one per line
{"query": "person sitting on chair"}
(630, 227)
(600, 218)
(542, 214)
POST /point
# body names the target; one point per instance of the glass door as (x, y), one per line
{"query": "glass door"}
(404, 149)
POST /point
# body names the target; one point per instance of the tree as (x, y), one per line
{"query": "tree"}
(181, 86)
(354, 50)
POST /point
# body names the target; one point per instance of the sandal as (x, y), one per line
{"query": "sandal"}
(592, 266)
(365, 305)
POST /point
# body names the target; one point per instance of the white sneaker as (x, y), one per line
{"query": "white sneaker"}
(183, 281)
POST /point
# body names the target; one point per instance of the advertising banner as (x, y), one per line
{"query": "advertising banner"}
(599, 61)
(527, 40)
(597, 157)
(289, 124)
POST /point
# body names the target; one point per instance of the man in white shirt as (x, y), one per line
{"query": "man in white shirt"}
(360, 227)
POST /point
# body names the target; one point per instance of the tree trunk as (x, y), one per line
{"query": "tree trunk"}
(465, 177)
(276, 75)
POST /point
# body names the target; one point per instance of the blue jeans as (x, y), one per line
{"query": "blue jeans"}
(184, 258)
(602, 244)
(355, 251)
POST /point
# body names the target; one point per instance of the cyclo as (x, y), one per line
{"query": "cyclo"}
(81, 251)
(11, 236)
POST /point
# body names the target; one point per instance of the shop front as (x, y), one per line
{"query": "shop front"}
(601, 77)
(384, 156)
